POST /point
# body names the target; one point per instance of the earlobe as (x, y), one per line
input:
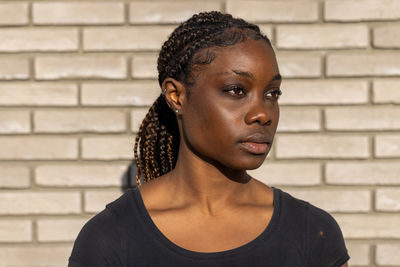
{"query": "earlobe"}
(173, 91)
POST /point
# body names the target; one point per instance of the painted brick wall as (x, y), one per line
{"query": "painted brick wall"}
(76, 79)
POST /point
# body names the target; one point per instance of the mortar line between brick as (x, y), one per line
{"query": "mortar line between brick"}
(126, 13)
(35, 234)
(373, 200)
(372, 252)
(320, 12)
(223, 6)
(31, 69)
(370, 91)
(371, 148)
(128, 120)
(80, 40)
(82, 206)
(30, 14)
(323, 120)
(129, 74)
(370, 38)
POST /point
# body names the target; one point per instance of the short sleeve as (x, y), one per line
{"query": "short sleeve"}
(325, 243)
(98, 243)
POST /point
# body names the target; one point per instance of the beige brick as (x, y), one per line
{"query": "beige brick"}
(387, 36)
(14, 176)
(96, 200)
(43, 202)
(14, 68)
(79, 175)
(85, 12)
(322, 36)
(323, 92)
(168, 12)
(32, 147)
(361, 10)
(142, 93)
(387, 146)
(37, 255)
(274, 11)
(321, 146)
(13, 13)
(297, 120)
(386, 91)
(305, 66)
(15, 230)
(363, 64)
(137, 116)
(335, 200)
(49, 229)
(359, 254)
(71, 121)
(110, 147)
(144, 66)
(14, 122)
(38, 94)
(362, 118)
(125, 39)
(388, 254)
(379, 173)
(369, 225)
(30, 39)
(387, 199)
(266, 29)
(299, 174)
(61, 67)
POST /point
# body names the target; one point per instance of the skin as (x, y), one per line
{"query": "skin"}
(209, 190)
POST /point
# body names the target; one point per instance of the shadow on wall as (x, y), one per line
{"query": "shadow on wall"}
(128, 180)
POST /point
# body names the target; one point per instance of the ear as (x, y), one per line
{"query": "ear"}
(174, 92)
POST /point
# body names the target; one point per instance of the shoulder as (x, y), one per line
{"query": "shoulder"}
(325, 239)
(314, 218)
(292, 218)
(99, 242)
(316, 231)
(319, 220)
(290, 210)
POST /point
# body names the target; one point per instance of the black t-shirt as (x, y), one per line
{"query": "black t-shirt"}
(123, 234)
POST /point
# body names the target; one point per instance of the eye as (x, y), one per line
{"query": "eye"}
(236, 91)
(274, 93)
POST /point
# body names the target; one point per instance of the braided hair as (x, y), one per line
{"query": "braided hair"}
(158, 136)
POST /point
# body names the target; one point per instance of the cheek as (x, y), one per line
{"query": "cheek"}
(209, 126)
(275, 114)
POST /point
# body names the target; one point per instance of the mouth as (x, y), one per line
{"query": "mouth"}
(256, 144)
(254, 148)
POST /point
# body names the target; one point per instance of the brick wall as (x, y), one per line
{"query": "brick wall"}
(76, 79)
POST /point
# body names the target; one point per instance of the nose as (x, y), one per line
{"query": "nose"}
(259, 113)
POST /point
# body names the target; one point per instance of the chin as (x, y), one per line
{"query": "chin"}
(255, 165)
(247, 163)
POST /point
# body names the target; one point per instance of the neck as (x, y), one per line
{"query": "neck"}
(205, 186)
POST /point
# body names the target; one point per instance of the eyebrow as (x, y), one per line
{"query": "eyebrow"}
(244, 73)
(277, 77)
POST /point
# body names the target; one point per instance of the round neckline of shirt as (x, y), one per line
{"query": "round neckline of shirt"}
(238, 251)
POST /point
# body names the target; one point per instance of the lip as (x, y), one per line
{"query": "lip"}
(257, 138)
(254, 148)
(256, 143)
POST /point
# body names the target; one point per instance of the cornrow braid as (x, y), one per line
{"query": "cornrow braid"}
(157, 141)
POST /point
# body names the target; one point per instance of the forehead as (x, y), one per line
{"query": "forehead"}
(254, 56)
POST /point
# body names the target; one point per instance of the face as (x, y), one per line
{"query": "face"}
(232, 112)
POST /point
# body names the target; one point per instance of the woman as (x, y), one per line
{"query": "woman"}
(215, 119)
